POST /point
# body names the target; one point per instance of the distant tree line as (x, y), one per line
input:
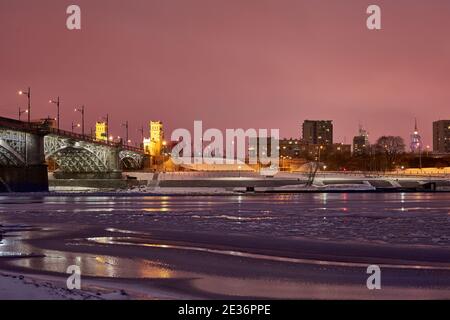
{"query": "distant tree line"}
(388, 153)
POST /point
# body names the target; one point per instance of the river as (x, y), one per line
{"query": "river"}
(257, 246)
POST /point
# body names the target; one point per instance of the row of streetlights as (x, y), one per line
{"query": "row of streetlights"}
(81, 110)
(56, 101)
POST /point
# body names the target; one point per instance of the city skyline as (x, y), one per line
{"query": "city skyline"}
(177, 64)
(145, 129)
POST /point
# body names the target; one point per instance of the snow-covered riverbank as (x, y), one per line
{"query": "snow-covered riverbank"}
(16, 286)
(211, 183)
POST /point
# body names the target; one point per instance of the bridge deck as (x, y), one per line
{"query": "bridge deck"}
(43, 128)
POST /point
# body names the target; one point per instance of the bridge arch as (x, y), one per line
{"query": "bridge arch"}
(22, 163)
(12, 148)
(130, 160)
(77, 159)
(8, 157)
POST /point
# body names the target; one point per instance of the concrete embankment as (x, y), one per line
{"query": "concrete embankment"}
(185, 182)
(108, 184)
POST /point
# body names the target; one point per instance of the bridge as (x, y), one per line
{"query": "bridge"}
(25, 149)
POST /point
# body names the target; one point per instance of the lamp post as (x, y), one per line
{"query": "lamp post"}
(318, 158)
(21, 112)
(57, 109)
(81, 110)
(141, 130)
(126, 131)
(28, 94)
(108, 138)
(420, 156)
(77, 125)
(164, 153)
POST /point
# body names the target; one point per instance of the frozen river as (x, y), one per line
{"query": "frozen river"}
(421, 218)
(275, 246)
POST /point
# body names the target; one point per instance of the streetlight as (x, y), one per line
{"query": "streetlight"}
(107, 127)
(77, 125)
(126, 131)
(141, 130)
(420, 156)
(28, 94)
(239, 171)
(318, 158)
(57, 108)
(21, 112)
(81, 110)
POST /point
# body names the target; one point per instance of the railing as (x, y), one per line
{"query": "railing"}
(78, 136)
(20, 125)
(91, 139)
(396, 173)
(131, 148)
(34, 127)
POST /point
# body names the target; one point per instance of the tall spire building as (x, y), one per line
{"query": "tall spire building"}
(416, 140)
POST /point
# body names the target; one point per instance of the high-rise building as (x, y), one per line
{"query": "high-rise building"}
(290, 148)
(156, 138)
(318, 132)
(361, 143)
(101, 131)
(416, 140)
(441, 136)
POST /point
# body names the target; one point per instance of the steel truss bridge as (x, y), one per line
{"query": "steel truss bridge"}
(24, 144)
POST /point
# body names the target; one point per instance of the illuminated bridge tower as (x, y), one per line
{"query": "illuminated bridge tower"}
(416, 140)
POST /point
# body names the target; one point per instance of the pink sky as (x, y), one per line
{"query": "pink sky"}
(231, 63)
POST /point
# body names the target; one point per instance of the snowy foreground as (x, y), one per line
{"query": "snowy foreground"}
(19, 287)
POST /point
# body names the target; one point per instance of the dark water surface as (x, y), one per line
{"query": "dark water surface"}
(267, 246)
(422, 218)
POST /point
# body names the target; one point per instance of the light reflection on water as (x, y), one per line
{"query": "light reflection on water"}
(90, 264)
(100, 266)
(278, 214)
(279, 208)
(347, 217)
(138, 242)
